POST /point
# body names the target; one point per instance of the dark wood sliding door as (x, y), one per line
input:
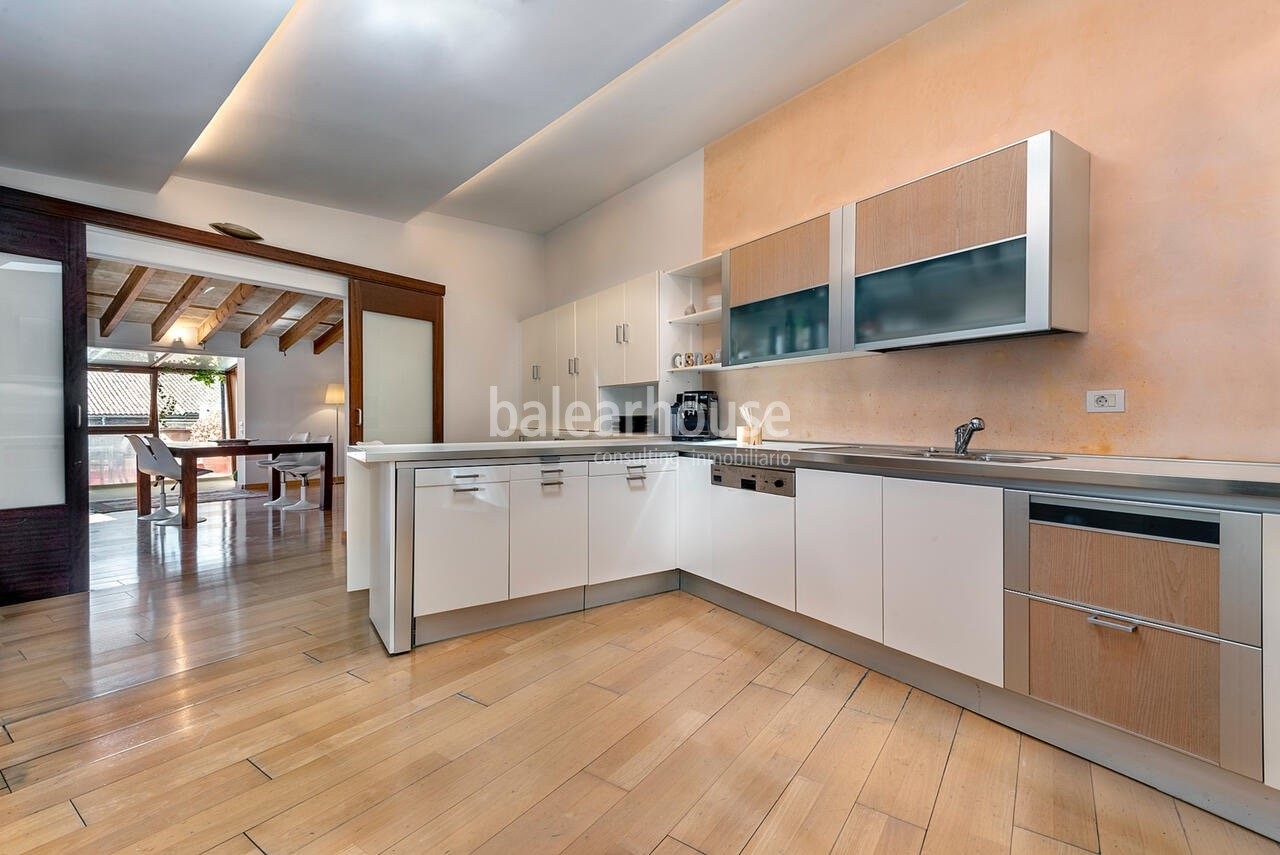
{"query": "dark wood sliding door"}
(44, 484)
(395, 363)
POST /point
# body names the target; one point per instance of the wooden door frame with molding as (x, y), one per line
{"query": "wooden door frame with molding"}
(19, 208)
(406, 303)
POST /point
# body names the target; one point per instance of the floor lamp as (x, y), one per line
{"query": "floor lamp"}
(335, 395)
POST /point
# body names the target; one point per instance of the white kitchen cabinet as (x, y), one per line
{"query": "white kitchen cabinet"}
(548, 532)
(693, 521)
(587, 384)
(611, 353)
(640, 329)
(944, 574)
(564, 331)
(632, 524)
(537, 359)
(754, 544)
(839, 570)
(627, 332)
(460, 546)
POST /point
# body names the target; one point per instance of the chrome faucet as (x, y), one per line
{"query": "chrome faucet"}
(965, 432)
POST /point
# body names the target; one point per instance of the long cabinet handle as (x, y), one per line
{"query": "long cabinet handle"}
(1121, 626)
(617, 333)
(575, 366)
(637, 466)
(552, 471)
(637, 477)
(552, 483)
(359, 417)
(467, 475)
(626, 333)
(467, 489)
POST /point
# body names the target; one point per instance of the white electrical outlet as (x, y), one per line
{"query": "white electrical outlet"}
(1104, 401)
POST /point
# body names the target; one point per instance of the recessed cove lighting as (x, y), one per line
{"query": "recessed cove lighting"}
(236, 230)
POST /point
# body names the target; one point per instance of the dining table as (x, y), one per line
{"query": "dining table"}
(188, 454)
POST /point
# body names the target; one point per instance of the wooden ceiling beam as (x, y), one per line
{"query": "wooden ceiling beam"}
(225, 311)
(173, 310)
(307, 323)
(274, 312)
(327, 339)
(133, 286)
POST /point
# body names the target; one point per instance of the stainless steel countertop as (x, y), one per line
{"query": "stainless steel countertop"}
(1226, 484)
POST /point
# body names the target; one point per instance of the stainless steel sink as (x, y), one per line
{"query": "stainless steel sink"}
(932, 452)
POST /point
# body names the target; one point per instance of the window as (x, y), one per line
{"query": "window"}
(180, 399)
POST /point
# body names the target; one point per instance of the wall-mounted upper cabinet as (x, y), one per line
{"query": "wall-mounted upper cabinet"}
(779, 289)
(627, 332)
(996, 246)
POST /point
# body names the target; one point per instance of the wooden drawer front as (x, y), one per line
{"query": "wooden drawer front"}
(975, 203)
(790, 260)
(1156, 683)
(461, 475)
(1160, 580)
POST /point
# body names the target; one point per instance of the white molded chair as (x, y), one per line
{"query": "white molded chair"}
(309, 465)
(282, 462)
(169, 467)
(147, 465)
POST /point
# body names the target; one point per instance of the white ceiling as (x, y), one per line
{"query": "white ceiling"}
(748, 57)
(117, 92)
(384, 106)
(522, 113)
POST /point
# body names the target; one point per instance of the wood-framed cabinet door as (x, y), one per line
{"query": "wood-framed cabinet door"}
(395, 364)
(44, 441)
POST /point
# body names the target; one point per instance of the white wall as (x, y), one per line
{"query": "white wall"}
(494, 276)
(653, 225)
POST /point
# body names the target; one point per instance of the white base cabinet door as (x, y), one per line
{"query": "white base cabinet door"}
(693, 523)
(548, 535)
(754, 549)
(839, 569)
(460, 547)
(632, 525)
(944, 575)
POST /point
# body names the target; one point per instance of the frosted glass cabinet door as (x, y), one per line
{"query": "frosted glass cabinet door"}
(32, 451)
(398, 371)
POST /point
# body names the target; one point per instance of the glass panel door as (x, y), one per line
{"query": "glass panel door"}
(395, 364)
(44, 483)
(32, 444)
(398, 378)
(968, 291)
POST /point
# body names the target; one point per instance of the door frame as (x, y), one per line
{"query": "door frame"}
(364, 296)
(44, 551)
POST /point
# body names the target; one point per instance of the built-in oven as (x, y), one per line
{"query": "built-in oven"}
(1145, 616)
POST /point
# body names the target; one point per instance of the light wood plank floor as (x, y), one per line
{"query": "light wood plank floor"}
(224, 694)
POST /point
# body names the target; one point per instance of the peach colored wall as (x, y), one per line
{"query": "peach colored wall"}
(1178, 101)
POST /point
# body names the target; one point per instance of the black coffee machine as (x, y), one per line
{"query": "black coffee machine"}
(695, 417)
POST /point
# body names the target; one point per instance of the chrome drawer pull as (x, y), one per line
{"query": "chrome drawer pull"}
(552, 471)
(637, 466)
(637, 477)
(470, 475)
(552, 483)
(466, 489)
(1123, 626)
